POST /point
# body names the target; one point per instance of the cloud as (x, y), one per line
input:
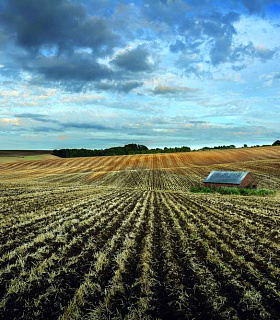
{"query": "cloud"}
(9, 122)
(178, 46)
(221, 50)
(9, 93)
(43, 129)
(162, 130)
(83, 98)
(264, 53)
(192, 65)
(36, 117)
(63, 137)
(114, 64)
(221, 30)
(257, 6)
(166, 11)
(3, 38)
(65, 125)
(85, 125)
(273, 75)
(134, 60)
(58, 39)
(74, 67)
(230, 78)
(172, 90)
(270, 78)
(52, 125)
(204, 38)
(119, 86)
(212, 38)
(250, 51)
(59, 23)
(197, 124)
(239, 67)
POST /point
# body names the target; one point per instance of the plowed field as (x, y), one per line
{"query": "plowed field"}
(123, 238)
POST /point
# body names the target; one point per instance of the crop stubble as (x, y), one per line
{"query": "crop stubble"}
(134, 243)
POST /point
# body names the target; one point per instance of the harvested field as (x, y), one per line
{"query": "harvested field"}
(123, 238)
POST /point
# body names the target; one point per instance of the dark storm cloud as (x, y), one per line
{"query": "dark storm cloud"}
(62, 23)
(134, 60)
(57, 39)
(129, 85)
(71, 67)
(73, 71)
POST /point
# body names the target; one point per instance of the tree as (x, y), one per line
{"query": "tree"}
(276, 143)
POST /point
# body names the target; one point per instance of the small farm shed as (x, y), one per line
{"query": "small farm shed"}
(240, 179)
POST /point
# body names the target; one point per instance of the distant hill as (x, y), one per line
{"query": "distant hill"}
(171, 160)
(23, 155)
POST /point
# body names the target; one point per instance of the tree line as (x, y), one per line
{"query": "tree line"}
(134, 148)
(131, 148)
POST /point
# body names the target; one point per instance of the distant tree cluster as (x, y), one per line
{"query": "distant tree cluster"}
(219, 147)
(131, 148)
(169, 150)
(276, 143)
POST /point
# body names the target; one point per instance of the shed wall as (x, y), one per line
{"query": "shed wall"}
(219, 185)
(247, 181)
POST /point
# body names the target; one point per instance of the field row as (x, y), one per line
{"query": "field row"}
(140, 254)
(266, 172)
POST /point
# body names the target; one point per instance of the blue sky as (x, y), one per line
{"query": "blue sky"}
(96, 74)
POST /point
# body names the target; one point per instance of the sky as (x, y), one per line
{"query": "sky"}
(97, 74)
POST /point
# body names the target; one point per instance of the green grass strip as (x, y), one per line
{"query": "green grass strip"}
(233, 190)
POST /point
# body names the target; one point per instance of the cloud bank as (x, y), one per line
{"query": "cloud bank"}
(100, 70)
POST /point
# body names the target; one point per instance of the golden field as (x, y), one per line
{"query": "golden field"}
(123, 238)
(191, 167)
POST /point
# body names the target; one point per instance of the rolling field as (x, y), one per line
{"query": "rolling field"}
(123, 238)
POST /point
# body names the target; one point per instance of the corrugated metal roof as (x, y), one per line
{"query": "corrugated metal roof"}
(232, 177)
